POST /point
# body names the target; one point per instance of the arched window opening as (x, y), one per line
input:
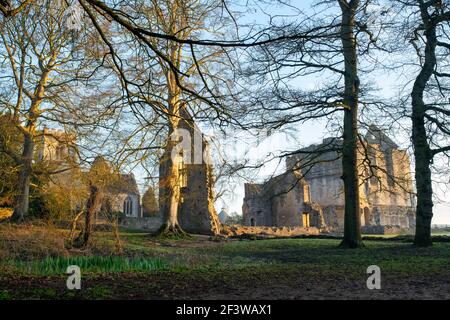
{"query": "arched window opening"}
(128, 206)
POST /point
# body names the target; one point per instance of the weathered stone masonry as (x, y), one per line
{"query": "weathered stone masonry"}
(316, 197)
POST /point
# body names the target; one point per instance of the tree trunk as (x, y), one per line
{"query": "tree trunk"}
(170, 162)
(422, 151)
(424, 209)
(21, 205)
(74, 224)
(170, 192)
(93, 206)
(352, 218)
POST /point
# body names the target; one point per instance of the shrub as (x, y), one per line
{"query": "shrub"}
(5, 213)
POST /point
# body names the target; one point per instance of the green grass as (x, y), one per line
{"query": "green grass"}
(325, 256)
(441, 233)
(141, 253)
(315, 255)
(434, 233)
(88, 264)
(34, 261)
(5, 295)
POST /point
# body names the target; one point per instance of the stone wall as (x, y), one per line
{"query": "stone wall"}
(197, 213)
(232, 231)
(150, 224)
(256, 210)
(386, 230)
(334, 216)
(280, 202)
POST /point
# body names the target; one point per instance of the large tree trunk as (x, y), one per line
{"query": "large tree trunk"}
(170, 192)
(352, 218)
(21, 205)
(422, 151)
(93, 207)
(170, 188)
(424, 209)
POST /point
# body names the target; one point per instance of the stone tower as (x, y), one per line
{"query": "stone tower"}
(56, 147)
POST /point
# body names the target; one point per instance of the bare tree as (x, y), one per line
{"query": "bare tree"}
(180, 83)
(426, 27)
(100, 177)
(44, 67)
(10, 8)
(335, 53)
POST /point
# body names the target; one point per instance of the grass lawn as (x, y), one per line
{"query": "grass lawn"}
(33, 261)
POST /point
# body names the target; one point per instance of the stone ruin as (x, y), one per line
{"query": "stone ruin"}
(307, 198)
(310, 192)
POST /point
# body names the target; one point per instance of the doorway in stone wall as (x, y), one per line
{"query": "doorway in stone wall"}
(252, 222)
(305, 219)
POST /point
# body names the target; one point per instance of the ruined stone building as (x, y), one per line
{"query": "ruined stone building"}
(310, 192)
(57, 150)
(196, 213)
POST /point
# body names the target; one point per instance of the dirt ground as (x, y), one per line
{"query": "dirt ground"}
(257, 286)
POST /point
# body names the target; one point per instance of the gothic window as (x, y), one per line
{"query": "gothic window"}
(60, 153)
(128, 206)
(57, 153)
(366, 216)
(125, 207)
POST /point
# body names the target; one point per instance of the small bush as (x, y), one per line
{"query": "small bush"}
(5, 213)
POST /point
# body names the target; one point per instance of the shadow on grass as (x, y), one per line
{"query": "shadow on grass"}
(325, 254)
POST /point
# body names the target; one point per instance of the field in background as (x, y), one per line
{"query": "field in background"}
(33, 260)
